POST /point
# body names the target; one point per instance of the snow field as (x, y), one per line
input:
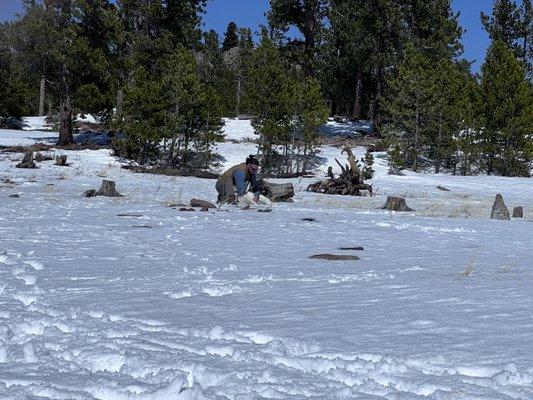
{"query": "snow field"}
(156, 304)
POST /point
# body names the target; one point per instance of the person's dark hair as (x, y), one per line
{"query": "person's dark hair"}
(252, 160)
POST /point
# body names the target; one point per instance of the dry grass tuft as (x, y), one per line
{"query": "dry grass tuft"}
(471, 266)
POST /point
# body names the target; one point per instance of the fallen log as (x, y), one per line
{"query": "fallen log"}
(277, 192)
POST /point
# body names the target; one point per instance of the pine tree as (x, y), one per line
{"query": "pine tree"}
(527, 36)
(310, 113)
(446, 113)
(508, 113)
(504, 24)
(173, 107)
(433, 28)
(409, 106)
(31, 37)
(365, 42)
(231, 37)
(269, 97)
(15, 93)
(470, 120)
(368, 163)
(308, 17)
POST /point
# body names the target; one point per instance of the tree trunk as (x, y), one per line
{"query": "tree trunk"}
(65, 128)
(309, 32)
(42, 95)
(238, 97)
(438, 157)
(120, 103)
(358, 95)
(65, 111)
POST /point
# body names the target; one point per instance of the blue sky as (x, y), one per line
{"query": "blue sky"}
(251, 13)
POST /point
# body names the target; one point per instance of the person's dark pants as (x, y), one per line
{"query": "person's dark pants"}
(226, 192)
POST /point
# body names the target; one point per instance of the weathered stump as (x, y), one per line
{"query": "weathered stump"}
(499, 210)
(107, 188)
(277, 192)
(396, 204)
(27, 161)
(61, 161)
(518, 212)
(202, 204)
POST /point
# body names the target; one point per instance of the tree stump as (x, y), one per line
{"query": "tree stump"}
(277, 192)
(518, 212)
(499, 210)
(27, 161)
(396, 204)
(202, 204)
(61, 161)
(107, 188)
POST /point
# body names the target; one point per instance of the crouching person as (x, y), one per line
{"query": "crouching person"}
(234, 182)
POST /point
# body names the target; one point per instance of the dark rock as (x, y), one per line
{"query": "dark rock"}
(14, 195)
(204, 209)
(334, 257)
(396, 204)
(444, 189)
(186, 209)
(309, 219)
(357, 248)
(130, 215)
(202, 204)
(518, 212)
(499, 210)
(264, 210)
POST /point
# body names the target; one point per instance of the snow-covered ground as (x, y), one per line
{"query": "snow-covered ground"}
(347, 129)
(124, 298)
(41, 123)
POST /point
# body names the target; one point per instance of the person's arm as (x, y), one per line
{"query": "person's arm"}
(240, 182)
(255, 187)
